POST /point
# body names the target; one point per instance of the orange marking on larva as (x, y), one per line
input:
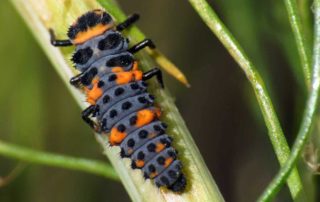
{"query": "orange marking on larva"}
(135, 65)
(153, 175)
(168, 162)
(139, 163)
(137, 75)
(116, 137)
(144, 117)
(117, 69)
(124, 77)
(160, 147)
(158, 112)
(95, 93)
(84, 36)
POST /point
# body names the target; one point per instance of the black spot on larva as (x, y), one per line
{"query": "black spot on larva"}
(145, 176)
(134, 86)
(142, 99)
(106, 99)
(151, 97)
(140, 155)
(113, 113)
(82, 56)
(178, 166)
(179, 185)
(126, 105)
(130, 143)
(106, 18)
(164, 180)
(165, 141)
(120, 61)
(93, 71)
(121, 128)
(157, 128)
(72, 32)
(112, 77)
(173, 174)
(144, 83)
(109, 42)
(118, 91)
(151, 168)
(91, 19)
(171, 154)
(143, 134)
(133, 120)
(164, 125)
(100, 84)
(151, 147)
(161, 160)
(133, 165)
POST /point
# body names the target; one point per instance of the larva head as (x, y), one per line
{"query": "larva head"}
(89, 25)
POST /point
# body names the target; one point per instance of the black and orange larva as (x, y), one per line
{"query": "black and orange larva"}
(117, 92)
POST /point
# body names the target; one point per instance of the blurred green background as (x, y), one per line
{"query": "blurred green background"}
(219, 109)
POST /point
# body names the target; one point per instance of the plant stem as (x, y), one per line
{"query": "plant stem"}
(276, 135)
(308, 118)
(61, 161)
(40, 15)
(300, 37)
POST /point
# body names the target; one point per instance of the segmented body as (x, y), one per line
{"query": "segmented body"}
(124, 108)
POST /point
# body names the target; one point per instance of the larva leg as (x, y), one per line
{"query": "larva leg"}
(56, 42)
(90, 111)
(141, 45)
(76, 80)
(153, 72)
(128, 22)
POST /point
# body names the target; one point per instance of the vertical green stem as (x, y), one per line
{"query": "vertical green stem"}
(275, 132)
(300, 37)
(308, 118)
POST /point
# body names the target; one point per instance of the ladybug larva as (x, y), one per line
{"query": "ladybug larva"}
(118, 96)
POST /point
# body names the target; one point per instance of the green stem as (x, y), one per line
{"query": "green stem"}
(275, 132)
(61, 161)
(308, 118)
(300, 37)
